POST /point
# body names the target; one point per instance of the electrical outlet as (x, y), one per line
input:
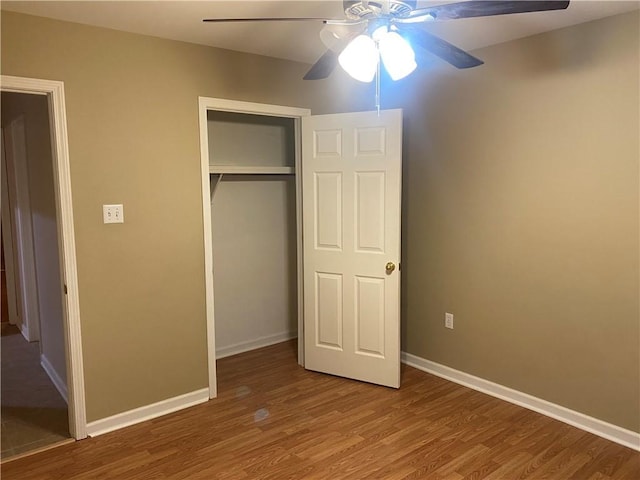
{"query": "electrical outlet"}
(112, 214)
(448, 320)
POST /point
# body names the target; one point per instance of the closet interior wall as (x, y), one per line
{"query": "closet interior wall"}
(253, 223)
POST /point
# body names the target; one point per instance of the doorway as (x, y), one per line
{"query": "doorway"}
(261, 170)
(65, 359)
(34, 408)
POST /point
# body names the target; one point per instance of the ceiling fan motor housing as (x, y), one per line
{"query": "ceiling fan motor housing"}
(359, 9)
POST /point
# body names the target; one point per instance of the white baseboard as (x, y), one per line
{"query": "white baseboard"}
(60, 385)
(579, 420)
(24, 330)
(242, 347)
(147, 412)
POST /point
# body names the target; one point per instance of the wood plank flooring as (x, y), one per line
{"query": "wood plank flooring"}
(274, 420)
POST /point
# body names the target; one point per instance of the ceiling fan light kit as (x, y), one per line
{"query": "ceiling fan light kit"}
(386, 30)
(362, 55)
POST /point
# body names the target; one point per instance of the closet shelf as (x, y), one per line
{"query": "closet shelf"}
(250, 170)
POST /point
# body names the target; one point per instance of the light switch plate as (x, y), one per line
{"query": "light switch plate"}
(448, 320)
(113, 213)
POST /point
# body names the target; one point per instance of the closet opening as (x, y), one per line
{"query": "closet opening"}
(254, 291)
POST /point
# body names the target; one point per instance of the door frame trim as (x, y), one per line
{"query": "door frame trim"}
(54, 91)
(219, 104)
(7, 240)
(21, 231)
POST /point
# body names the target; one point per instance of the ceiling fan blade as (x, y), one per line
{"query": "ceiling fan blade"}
(323, 67)
(266, 19)
(481, 8)
(441, 48)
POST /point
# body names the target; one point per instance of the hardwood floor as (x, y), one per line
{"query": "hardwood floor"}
(274, 420)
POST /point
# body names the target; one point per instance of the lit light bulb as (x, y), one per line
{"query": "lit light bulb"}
(379, 32)
(397, 55)
(360, 58)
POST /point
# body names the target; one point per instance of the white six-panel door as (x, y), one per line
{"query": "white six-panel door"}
(351, 167)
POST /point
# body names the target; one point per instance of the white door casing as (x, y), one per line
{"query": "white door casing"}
(54, 90)
(15, 149)
(351, 190)
(7, 241)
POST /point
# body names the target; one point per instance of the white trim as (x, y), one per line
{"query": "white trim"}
(147, 412)
(242, 347)
(237, 106)
(232, 169)
(66, 233)
(205, 104)
(300, 258)
(55, 378)
(15, 140)
(7, 240)
(579, 420)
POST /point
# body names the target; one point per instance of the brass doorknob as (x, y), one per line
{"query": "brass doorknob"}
(390, 267)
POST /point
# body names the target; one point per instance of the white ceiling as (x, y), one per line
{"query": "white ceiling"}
(182, 20)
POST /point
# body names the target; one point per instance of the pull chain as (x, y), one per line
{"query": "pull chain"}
(378, 88)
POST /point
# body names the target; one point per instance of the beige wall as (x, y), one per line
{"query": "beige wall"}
(132, 111)
(520, 213)
(521, 218)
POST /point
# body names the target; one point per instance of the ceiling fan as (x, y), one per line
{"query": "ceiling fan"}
(387, 30)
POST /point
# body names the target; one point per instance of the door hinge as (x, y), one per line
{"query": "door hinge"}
(65, 288)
